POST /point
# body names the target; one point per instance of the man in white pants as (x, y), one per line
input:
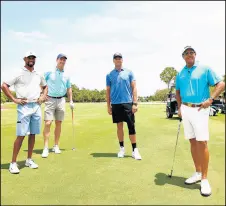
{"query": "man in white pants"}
(193, 97)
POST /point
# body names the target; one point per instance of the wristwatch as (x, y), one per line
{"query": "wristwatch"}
(135, 103)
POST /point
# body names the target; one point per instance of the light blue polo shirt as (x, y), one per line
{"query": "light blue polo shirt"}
(194, 83)
(57, 82)
(120, 84)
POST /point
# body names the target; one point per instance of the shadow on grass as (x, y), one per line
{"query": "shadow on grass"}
(174, 118)
(162, 179)
(20, 163)
(114, 155)
(39, 151)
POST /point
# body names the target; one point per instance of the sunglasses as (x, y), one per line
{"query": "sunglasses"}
(187, 53)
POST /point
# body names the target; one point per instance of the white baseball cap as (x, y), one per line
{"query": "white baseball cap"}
(186, 48)
(30, 53)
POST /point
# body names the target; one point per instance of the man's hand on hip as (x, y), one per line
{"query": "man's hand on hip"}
(20, 101)
(205, 104)
(72, 106)
(134, 109)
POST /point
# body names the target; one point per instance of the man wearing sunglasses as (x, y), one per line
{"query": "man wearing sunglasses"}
(194, 100)
(27, 85)
(122, 103)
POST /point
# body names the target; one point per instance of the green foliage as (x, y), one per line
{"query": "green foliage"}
(161, 95)
(168, 74)
(86, 95)
(3, 98)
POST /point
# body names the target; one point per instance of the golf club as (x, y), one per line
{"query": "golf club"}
(73, 126)
(170, 176)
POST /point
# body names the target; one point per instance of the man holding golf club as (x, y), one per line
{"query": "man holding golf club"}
(58, 86)
(27, 87)
(193, 97)
(122, 103)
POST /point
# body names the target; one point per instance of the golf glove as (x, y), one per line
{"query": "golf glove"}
(72, 106)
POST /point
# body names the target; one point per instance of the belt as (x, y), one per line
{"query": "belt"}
(56, 97)
(30, 100)
(191, 105)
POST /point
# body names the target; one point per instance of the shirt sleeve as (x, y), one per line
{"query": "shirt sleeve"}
(68, 85)
(43, 81)
(108, 81)
(177, 82)
(46, 75)
(12, 80)
(131, 77)
(212, 77)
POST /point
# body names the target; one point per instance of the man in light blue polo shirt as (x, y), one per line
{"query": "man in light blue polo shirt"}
(193, 97)
(121, 96)
(58, 86)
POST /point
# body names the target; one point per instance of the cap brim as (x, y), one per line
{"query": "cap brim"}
(188, 49)
(31, 56)
(62, 57)
(117, 56)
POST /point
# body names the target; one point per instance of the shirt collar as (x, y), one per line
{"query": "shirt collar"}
(118, 71)
(193, 67)
(59, 70)
(25, 69)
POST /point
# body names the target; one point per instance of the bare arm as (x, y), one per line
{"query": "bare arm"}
(69, 93)
(45, 91)
(220, 87)
(134, 90)
(108, 90)
(178, 98)
(5, 89)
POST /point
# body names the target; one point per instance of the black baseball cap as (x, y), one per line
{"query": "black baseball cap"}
(117, 55)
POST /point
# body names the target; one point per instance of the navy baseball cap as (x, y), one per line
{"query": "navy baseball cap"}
(117, 55)
(61, 55)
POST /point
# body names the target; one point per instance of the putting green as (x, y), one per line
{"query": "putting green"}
(92, 174)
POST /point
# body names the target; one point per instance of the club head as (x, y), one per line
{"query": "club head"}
(170, 176)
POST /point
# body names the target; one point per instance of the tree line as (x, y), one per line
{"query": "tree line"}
(86, 95)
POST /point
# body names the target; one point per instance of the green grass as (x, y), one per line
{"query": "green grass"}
(93, 175)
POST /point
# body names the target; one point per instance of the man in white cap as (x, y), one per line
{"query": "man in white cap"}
(193, 97)
(27, 87)
(58, 86)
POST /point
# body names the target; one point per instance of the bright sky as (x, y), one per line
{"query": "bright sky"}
(150, 36)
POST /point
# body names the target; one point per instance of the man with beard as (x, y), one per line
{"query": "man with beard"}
(58, 86)
(27, 87)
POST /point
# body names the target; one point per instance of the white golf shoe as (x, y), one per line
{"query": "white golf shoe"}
(196, 177)
(13, 168)
(45, 152)
(205, 188)
(121, 153)
(56, 149)
(30, 163)
(136, 155)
